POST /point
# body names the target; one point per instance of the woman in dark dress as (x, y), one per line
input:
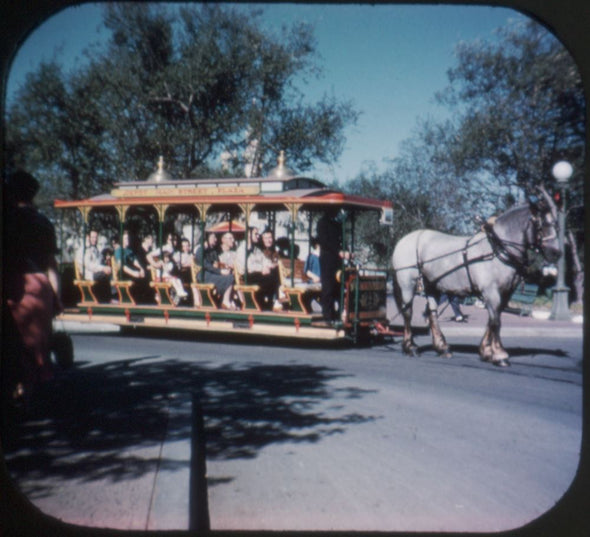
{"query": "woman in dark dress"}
(211, 271)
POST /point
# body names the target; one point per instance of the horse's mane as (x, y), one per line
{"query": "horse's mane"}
(514, 218)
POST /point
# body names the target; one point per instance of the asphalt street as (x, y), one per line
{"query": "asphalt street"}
(307, 437)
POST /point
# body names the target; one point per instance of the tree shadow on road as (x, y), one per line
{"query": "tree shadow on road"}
(106, 421)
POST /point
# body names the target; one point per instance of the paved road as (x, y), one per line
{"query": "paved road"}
(306, 438)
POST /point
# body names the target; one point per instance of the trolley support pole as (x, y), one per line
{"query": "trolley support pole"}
(342, 269)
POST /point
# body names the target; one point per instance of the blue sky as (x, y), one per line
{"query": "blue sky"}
(389, 60)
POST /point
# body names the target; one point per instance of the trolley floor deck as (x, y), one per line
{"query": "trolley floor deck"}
(285, 324)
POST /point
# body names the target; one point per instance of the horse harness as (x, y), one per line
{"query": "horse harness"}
(500, 249)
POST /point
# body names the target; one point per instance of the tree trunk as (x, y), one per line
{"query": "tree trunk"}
(578, 278)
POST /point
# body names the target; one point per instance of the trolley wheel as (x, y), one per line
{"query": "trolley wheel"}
(62, 349)
(363, 336)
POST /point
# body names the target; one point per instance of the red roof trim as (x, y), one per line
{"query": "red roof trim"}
(336, 198)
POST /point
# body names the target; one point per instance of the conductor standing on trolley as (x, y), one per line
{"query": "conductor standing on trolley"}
(329, 233)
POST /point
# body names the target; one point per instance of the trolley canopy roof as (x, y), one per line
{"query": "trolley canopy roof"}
(266, 192)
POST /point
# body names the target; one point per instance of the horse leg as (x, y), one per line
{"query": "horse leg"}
(485, 347)
(438, 339)
(408, 345)
(499, 354)
(493, 350)
(403, 293)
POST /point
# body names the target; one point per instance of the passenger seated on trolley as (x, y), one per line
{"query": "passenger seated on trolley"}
(167, 271)
(142, 292)
(223, 279)
(249, 244)
(263, 270)
(115, 244)
(283, 246)
(173, 246)
(133, 270)
(312, 263)
(227, 255)
(127, 261)
(185, 261)
(106, 259)
(89, 260)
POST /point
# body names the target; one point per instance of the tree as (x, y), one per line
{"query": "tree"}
(519, 105)
(41, 134)
(517, 108)
(189, 83)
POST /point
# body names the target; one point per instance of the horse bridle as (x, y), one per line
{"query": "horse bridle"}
(502, 248)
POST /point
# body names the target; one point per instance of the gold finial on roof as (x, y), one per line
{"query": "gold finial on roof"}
(160, 174)
(281, 171)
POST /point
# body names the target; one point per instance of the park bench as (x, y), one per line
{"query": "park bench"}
(522, 298)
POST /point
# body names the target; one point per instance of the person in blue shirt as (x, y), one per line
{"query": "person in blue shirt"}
(312, 263)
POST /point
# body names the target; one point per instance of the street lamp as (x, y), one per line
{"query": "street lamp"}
(560, 311)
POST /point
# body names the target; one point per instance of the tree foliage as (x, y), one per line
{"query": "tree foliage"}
(517, 108)
(520, 108)
(193, 84)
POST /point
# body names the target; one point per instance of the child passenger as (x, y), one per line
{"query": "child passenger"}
(167, 270)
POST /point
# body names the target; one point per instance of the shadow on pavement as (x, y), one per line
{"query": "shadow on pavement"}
(90, 422)
(512, 351)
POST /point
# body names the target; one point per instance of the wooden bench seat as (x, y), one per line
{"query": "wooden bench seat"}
(203, 293)
(123, 287)
(300, 291)
(162, 289)
(246, 292)
(85, 287)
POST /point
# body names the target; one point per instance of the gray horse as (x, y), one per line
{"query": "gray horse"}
(488, 264)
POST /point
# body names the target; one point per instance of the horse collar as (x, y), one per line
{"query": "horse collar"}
(501, 251)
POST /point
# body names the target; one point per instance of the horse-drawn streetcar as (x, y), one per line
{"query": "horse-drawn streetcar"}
(287, 205)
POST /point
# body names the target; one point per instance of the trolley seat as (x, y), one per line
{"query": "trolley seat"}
(299, 290)
(162, 289)
(123, 287)
(246, 292)
(203, 293)
(85, 286)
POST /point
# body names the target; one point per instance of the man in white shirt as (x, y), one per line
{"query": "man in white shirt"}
(263, 271)
(90, 262)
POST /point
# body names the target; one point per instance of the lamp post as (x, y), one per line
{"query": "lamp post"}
(560, 311)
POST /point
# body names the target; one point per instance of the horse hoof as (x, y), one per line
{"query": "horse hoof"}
(410, 349)
(446, 354)
(501, 363)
